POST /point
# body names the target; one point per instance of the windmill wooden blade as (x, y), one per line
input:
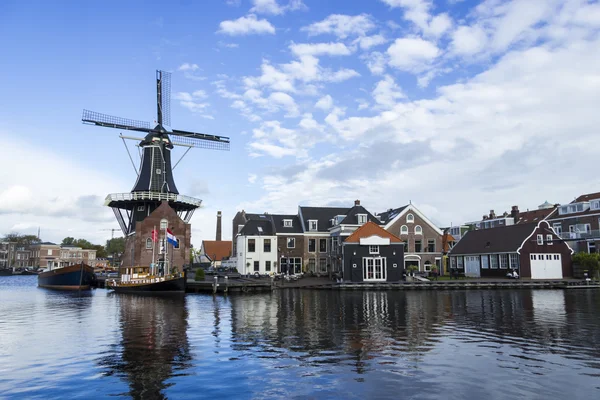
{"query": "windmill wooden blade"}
(164, 83)
(96, 118)
(200, 140)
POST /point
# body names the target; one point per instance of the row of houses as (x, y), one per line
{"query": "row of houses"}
(360, 245)
(44, 255)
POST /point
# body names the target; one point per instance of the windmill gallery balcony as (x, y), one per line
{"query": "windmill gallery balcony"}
(152, 196)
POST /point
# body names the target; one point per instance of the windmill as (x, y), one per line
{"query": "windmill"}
(155, 182)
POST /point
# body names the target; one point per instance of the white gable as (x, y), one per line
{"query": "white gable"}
(375, 240)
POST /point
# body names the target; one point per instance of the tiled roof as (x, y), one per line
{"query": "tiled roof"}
(323, 215)
(352, 219)
(258, 227)
(216, 250)
(587, 197)
(280, 228)
(498, 240)
(391, 213)
(369, 229)
(527, 217)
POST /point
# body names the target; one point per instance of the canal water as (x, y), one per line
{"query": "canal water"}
(297, 344)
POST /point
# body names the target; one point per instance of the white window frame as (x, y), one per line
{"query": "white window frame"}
(164, 223)
(310, 225)
(557, 226)
(503, 261)
(513, 259)
(315, 248)
(322, 265)
(404, 230)
(378, 276)
(427, 265)
(410, 218)
(549, 240)
(287, 223)
(495, 265)
(293, 241)
(141, 208)
(540, 239)
(373, 249)
(362, 218)
(418, 230)
(148, 241)
(322, 252)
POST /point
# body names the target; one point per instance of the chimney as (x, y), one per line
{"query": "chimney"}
(485, 217)
(357, 202)
(492, 214)
(218, 238)
(514, 212)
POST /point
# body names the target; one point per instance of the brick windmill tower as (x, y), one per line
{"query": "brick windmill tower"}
(154, 202)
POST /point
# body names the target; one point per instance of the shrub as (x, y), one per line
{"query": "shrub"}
(589, 261)
(199, 275)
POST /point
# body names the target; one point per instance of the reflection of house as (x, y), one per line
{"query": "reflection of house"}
(256, 245)
(372, 254)
(532, 249)
(214, 251)
(422, 239)
(579, 223)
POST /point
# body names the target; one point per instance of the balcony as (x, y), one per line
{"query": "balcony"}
(591, 234)
(152, 196)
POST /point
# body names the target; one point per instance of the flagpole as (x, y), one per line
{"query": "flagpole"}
(153, 247)
(166, 261)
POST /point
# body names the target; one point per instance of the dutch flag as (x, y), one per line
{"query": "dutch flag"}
(171, 238)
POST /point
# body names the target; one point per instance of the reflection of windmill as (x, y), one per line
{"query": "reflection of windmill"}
(155, 176)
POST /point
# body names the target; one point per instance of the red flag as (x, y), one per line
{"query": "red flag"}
(154, 235)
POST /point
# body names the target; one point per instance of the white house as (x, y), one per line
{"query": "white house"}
(256, 247)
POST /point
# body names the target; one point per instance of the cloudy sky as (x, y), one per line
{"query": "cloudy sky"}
(457, 106)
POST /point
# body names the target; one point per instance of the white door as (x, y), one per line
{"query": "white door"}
(546, 266)
(472, 266)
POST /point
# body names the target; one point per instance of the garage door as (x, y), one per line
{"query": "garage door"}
(546, 266)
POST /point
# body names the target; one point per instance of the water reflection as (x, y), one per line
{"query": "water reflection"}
(153, 347)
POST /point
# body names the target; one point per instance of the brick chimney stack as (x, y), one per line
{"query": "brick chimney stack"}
(514, 212)
(218, 238)
(357, 202)
(492, 214)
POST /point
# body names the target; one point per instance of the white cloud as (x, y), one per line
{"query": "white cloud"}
(317, 49)
(386, 92)
(419, 13)
(376, 62)
(274, 8)
(412, 54)
(342, 26)
(366, 42)
(190, 101)
(252, 178)
(188, 67)
(325, 103)
(468, 40)
(247, 25)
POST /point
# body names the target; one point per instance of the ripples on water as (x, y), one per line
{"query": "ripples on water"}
(299, 344)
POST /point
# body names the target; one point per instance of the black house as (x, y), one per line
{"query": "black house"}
(372, 254)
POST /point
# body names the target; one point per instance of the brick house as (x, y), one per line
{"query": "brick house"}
(290, 243)
(139, 245)
(422, 238)
(45, 255)
(71, 255)
(579, 223)
(533, 250)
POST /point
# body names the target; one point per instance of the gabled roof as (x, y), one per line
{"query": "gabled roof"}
(392, 216)
(216, 250)
(322, 214)
(280, 228)
(352, 219)
(391, 213)
(258, 227)
(535, 215)
(503, 239)
(371, 229)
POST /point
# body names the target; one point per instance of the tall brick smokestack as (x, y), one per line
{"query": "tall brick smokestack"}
(218, 238)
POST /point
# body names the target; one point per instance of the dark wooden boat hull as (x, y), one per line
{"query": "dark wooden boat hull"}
(74, 277)
(170, 286)
(6, 272)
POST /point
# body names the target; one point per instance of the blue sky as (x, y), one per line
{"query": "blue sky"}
(457, 106)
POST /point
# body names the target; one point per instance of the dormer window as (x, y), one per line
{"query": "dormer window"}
(287, 223)
(595, 205)
(410, 218)
(312, 224)
(362, 218)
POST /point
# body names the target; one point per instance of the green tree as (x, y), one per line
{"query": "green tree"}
(23, 240)
(100, 251)
(68, 241)
(84, 244)
(589, 261)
